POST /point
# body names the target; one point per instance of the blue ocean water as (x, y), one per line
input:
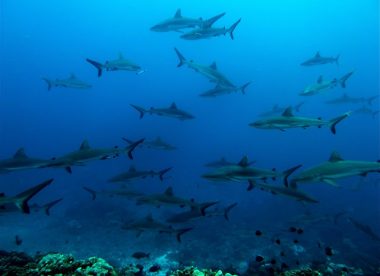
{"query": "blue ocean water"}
(53, 39)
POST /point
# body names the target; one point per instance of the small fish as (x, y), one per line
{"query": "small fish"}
(259, 258)
(299, 231)
(292, 229)
(18, 240)
(282, 254)
(297, 262)
(273, 261)
(295, 241)
(329, 251)
(140, 255)
(258, 233)
(284, 266)
(154, 268)
(278, 241)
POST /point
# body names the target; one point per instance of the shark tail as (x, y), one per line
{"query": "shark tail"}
(141, 110)
(180, 232)
(207, 205)
(298, 106)
(91, 191)
(98, 66)
(244, 86)
(228, 209)
(127, 140)
(343, 79)
(288, 172)
(333, 122)
(49, 83)
(130, 148)
(337, 59)
(163, 172)
(232, 28)
(22, 199)
(181, 58)
(49, 205)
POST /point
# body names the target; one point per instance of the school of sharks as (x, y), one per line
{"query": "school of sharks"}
(246, 174)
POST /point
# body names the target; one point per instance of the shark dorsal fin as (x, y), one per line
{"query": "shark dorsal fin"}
(244, 162)
(121, 56)
(288, 112)
(169, 191)
(335, 157)
(20, 153)
(213, 66)
(72, 76)
(317, 55)
(178, 14)
(149, 217)
(320, 79)
(84, 146)
(132, 168)
(173, 106)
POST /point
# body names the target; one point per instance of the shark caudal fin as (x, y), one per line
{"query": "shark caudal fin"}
(244, 86)
(288, 172)
(232, 28)
(141, 110)
(163, 172)
(130, 148)
(207, 205)
(49, 83)
(180, 232)
(337, 60)
(127, 140)
(21, 200)
(344, 78)
(181, 58)
(298, 106)
(97, 65)
(49, 205)
(335, 121)
(228, 209)
(91, 191)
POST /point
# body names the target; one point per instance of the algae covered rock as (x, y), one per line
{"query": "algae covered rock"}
(95, 266)
(301, 272)
(193, 271)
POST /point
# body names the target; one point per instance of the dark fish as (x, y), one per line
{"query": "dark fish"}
(282, 254)
(284, 266)
(259, 258)
(258, 233)
(299, 231)
(329, 251)
(296, 241)
(273, 261)
(140, 255)
(18, 240)
(297, 262)
(154, 268)
(292, 229)
(277, 241)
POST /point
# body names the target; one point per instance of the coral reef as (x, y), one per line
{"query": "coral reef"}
(193, 271)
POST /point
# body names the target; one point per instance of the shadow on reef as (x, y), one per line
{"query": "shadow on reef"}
(18, 263)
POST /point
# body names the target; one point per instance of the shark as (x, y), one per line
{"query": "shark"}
(211, 72)
(21, 200)
(158, 144)
(223, 162)
(168, 199)
(71, 82)
(132, 174)
(319, 60)
(324, 85)
(334, 169)
(178, 22)
(20, 161)
(346, 99)
(204, 32)
(171, 112)
(119, 64)
(149, 224)
(200, 211)
(366, 229)
(220, 90)
(130, 194)
(278, 110)
(45, 207)
(86, 153)
(364, 110)
(243, 172)
(290, 192)
(288, 120)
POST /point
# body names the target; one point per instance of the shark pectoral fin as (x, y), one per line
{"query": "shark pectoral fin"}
(330, 182)
(251, 184)
(138, 234)
(68, 169)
